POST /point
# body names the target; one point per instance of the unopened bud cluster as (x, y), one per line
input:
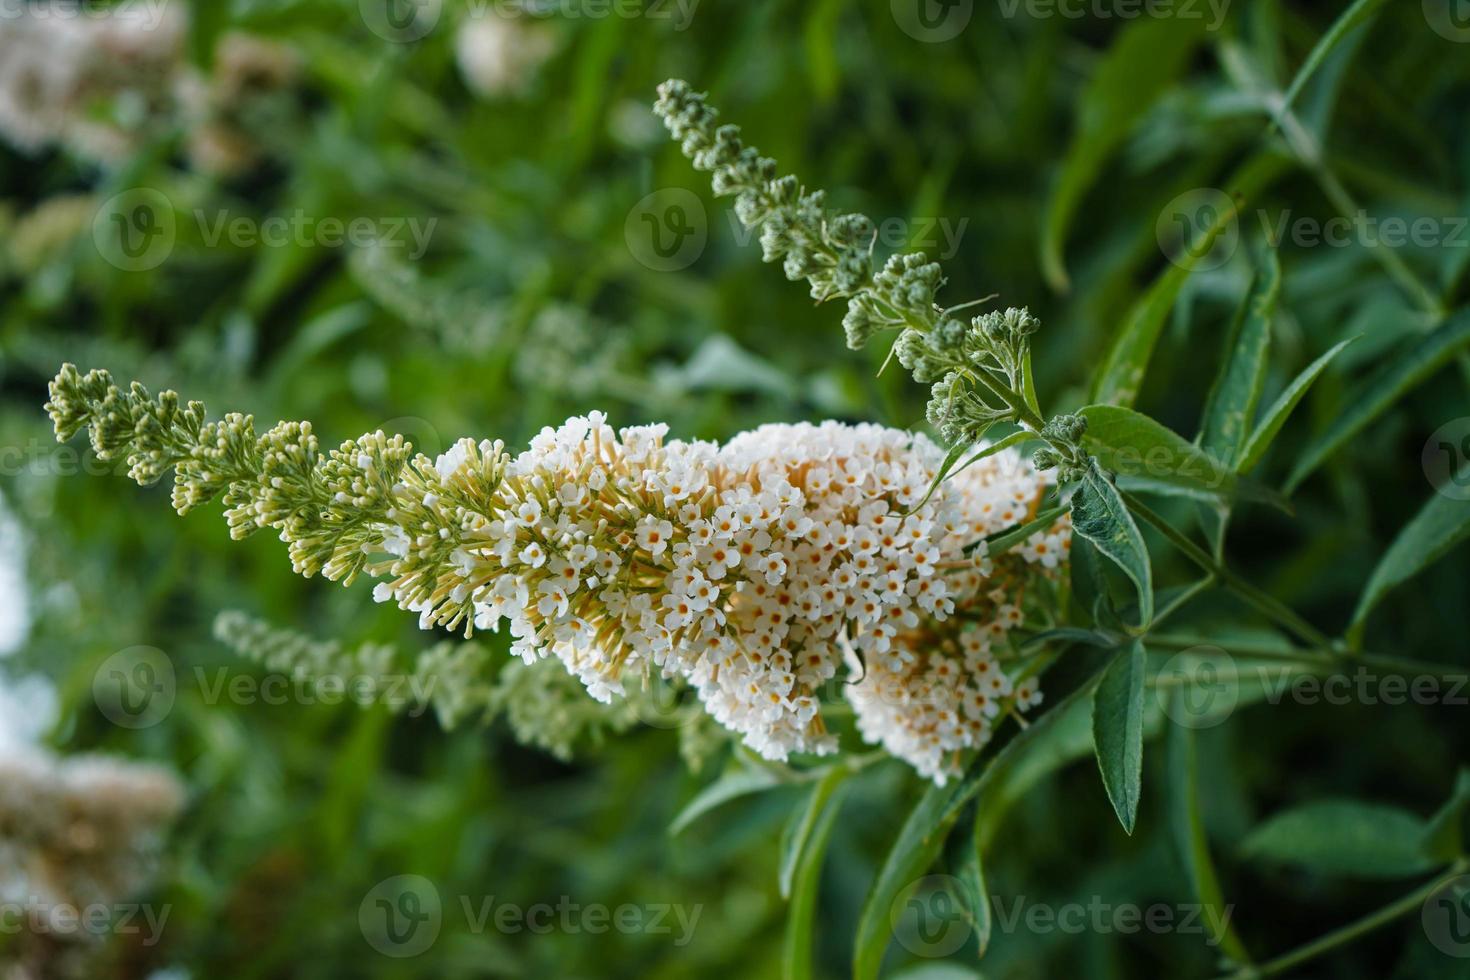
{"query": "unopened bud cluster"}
(755, 572)
(979, 369)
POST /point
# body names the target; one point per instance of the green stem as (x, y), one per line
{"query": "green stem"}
(1406, 666)
(1352, 930)
(1266, 604)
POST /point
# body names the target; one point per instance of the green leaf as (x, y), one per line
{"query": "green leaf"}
(913, 851)
(950, 459)
(1343, 837)
(1014, 439)
(969, 871)
(1270, 425)
(1350, 18)
(1139, 67)
(1440, 526)
(1444, 837)
(1117, 731)
(1100, 516)
(733, 784)
(1130, 444)
(1002, 541)
(1231, 405)
(1124, 365)
(803, 823)
(1401, 375)
(809, 849)
(1187, 829)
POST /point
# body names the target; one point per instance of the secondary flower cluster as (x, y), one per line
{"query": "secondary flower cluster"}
(80, 831)
(757, 572)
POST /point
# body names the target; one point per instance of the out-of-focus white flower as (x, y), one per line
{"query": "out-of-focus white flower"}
(89, 80)
(498, 55)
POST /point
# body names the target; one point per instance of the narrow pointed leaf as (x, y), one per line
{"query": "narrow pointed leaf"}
(1136, 70)
(806, 874)
(1402, 374)
(1350, 18)
(804, 822)
(1186, 827)
(1100, 516)
(1130, 444)
(1270, 425)
(1231, 405)
(740, 782)
(1117, 731)
(1343, 837)
(1439, 527)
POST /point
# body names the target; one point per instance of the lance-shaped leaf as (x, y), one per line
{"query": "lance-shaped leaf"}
(1270, 425)
(1117, 731)
(1398, 377)
(1100, 516)
(1231, 405)
(1132, 445)
(1438, 528)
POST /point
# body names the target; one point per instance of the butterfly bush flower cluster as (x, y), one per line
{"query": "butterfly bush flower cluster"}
(758, 572)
